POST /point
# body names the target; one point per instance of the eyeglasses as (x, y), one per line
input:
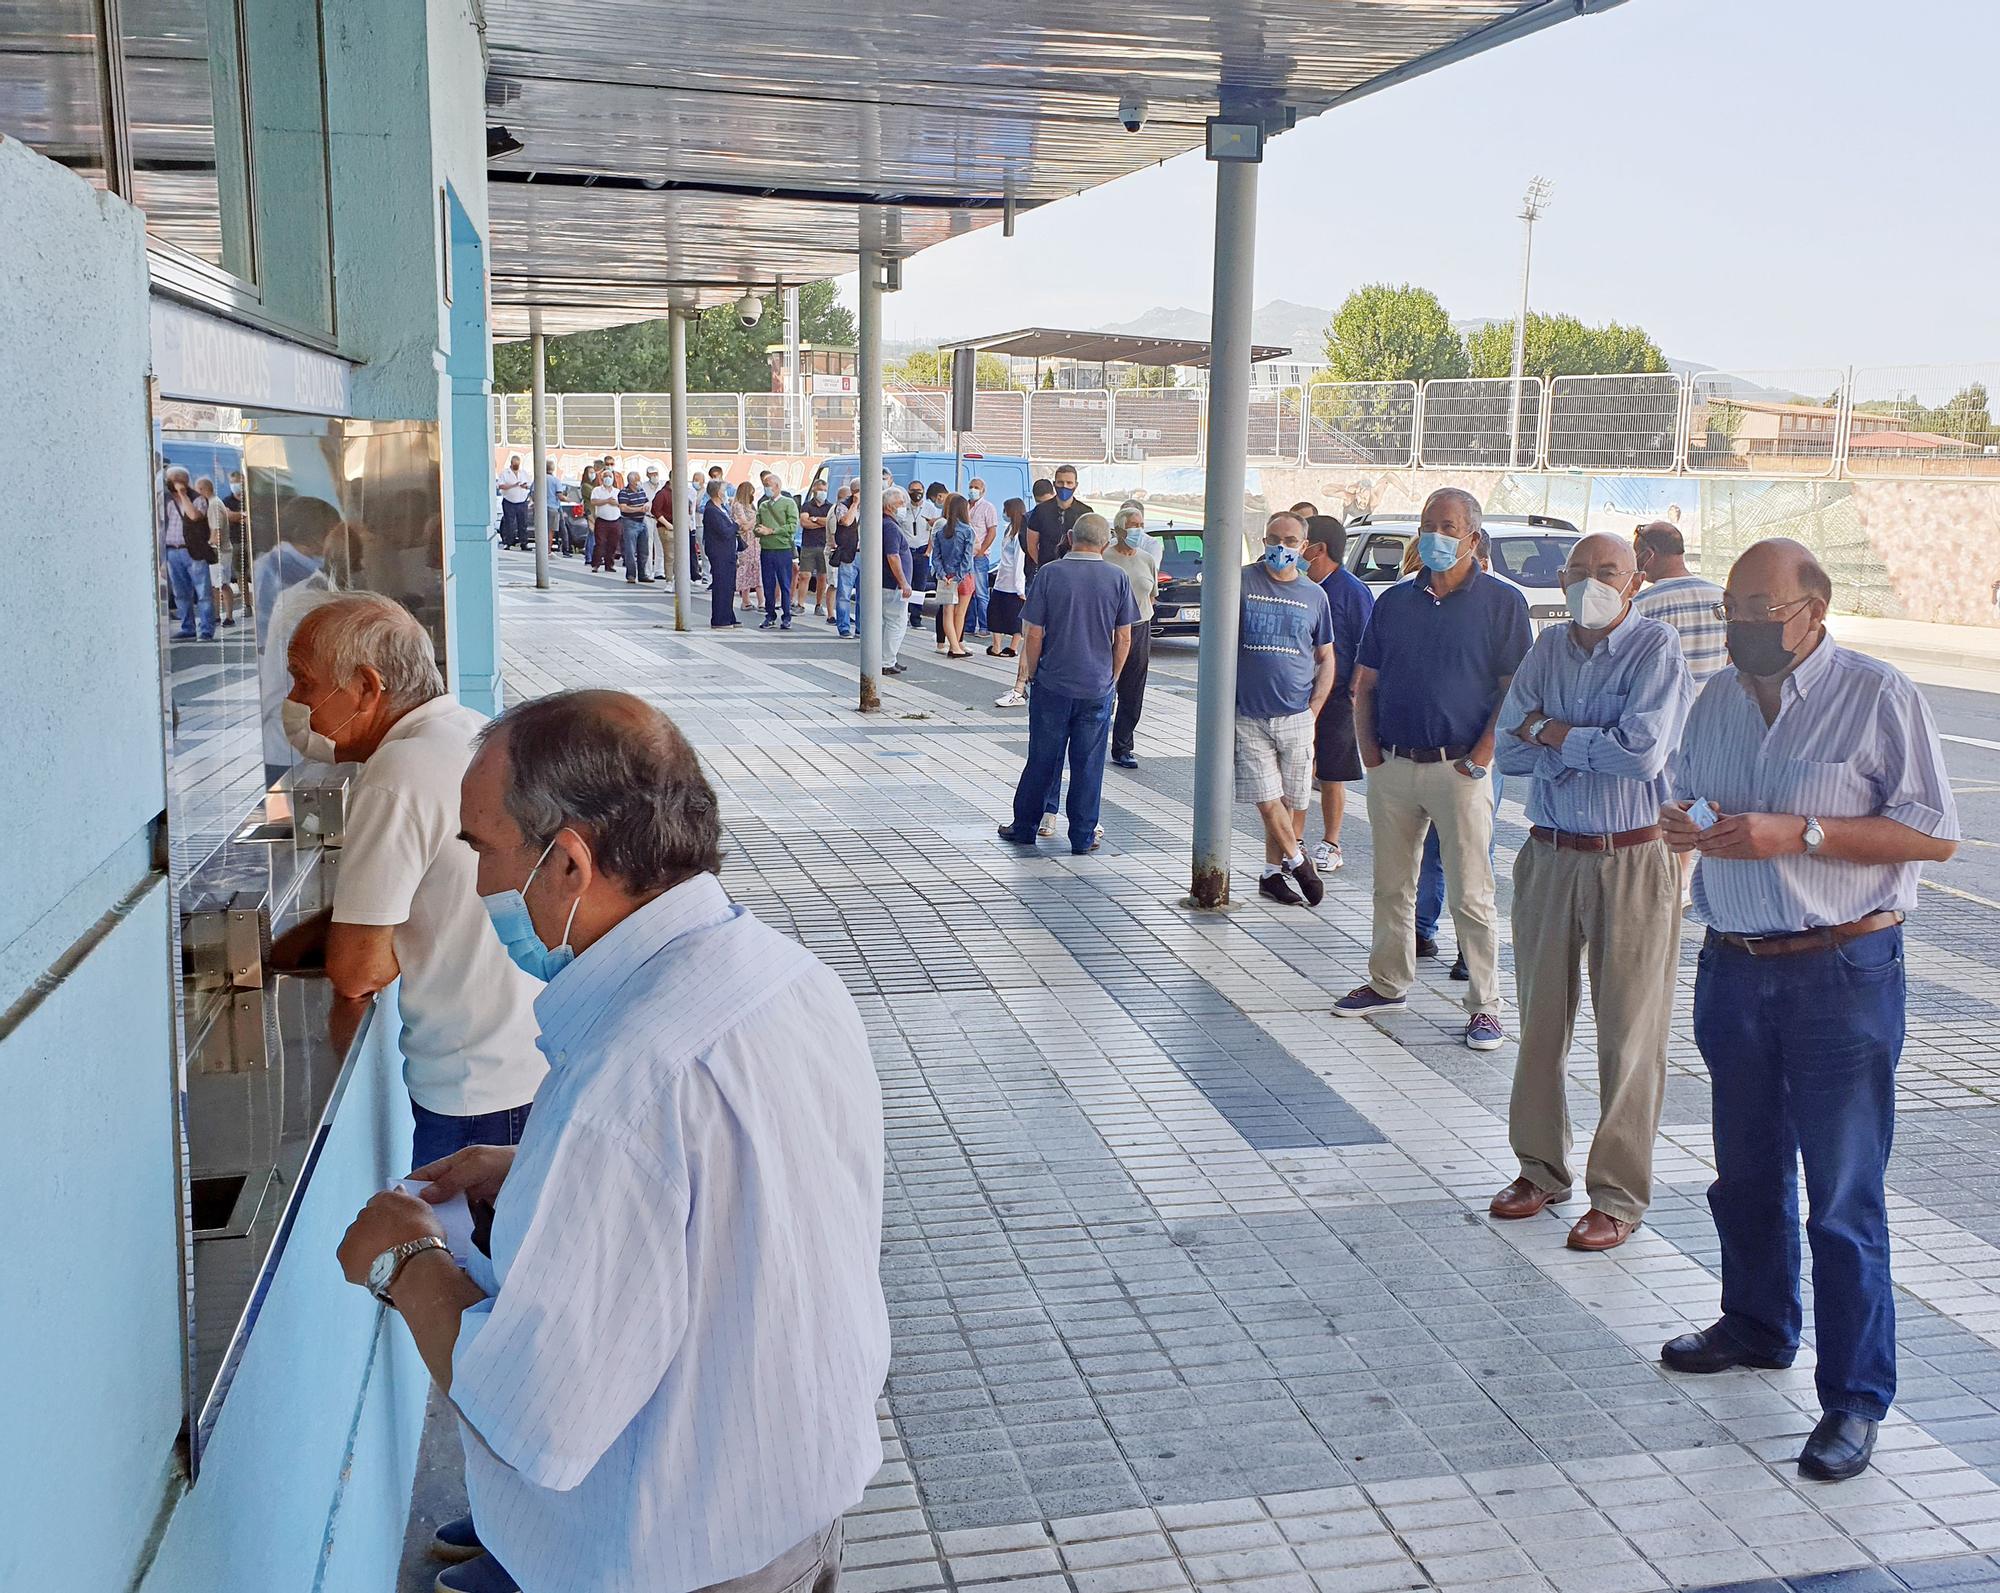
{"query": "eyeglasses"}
(1723, 612)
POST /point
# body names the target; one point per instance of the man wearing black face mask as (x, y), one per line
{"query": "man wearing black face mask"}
(1810, 782)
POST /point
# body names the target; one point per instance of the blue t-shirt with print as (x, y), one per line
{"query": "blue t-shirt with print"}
(1283, 623)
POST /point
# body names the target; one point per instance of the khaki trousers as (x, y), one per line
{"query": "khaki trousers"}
(1619, 913)
(1404, 798)
(809, 1567)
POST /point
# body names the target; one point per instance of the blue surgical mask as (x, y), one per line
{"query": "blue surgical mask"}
(1064, 494)
(1280, 559)
(516, 927)
(1438, 551)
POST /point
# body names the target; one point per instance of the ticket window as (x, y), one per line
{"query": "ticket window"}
(291, 509)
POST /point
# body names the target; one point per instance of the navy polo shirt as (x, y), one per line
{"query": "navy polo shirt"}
(1439, 662)
(1077, 603)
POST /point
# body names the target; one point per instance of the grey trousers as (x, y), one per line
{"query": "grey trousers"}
(1619, 915)
(809, 1567)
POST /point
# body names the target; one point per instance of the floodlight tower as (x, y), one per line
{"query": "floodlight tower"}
(1533, 203)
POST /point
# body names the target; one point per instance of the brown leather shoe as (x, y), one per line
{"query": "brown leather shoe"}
(1596, 1231)
(1523, 1198)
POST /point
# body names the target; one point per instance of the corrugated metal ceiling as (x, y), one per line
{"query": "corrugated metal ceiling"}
(689, 152)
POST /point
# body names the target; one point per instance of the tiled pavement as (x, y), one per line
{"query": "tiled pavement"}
(1191, 1283)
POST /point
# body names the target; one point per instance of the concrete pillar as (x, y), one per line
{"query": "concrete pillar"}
(677, 420)
(869, 441)
(539, 432)
(1222, 534)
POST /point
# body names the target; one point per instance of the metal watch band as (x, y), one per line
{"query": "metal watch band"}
(403, 1252)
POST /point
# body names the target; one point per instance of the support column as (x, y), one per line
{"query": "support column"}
(677, 420)
(869, 441)
(1222, 534)
(539, 432)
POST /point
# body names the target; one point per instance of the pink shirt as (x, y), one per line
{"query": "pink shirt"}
(985, 522)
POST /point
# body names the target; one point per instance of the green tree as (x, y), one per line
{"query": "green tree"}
(932, 368)
(1392, 334)
(722, 355)
(1561, 345)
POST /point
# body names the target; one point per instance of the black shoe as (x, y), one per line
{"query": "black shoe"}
(1278, 887)
(1458, 969)
(1839, 1447)
(1712, 1350)
(1426, 946)
(894, 669)
(1007, 834)
(645, 580)
(1124, 760)
(768, 625)
(1306, 877)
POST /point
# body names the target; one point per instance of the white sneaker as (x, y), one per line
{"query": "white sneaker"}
(1048, 825)
(1011, 699)
(1326, 857)
(1100, 833)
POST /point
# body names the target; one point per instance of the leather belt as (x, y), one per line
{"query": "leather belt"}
(1428, 754)
(1570, 841)
(1812, 939)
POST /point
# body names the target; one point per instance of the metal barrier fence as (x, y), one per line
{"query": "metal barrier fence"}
(1464, 422)
(1628, 423)
(1934, 422)
(1362, 423)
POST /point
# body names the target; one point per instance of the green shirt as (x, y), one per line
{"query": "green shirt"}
(777, 524)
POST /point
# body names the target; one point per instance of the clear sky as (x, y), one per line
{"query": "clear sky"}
(1759, 183)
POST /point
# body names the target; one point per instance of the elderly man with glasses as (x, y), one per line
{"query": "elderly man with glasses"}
(1811, 784)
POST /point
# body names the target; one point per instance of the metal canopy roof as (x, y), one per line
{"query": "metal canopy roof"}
(688, 154)
(1103, 348)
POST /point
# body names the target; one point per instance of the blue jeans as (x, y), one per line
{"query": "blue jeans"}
(1430, 878)
(846, 595)
(636, 545)
(194, 593)
(1801, 1055)
(1059, 727)
(776, 568)
(438, 1135)
(982, 589)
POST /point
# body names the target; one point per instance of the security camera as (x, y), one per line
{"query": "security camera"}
(1132, 112)
(749, 311)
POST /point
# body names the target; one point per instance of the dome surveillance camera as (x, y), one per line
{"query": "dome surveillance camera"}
(1132, 112)
(749, 310)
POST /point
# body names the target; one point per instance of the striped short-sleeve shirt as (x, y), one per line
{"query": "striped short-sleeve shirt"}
(1687, 603)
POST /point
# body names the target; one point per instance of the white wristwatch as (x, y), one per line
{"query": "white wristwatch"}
(383, 1269)
(1541, 724)
(1815, 837)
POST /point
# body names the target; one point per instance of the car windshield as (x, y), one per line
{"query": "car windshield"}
(1180, 554)
(1532, 560)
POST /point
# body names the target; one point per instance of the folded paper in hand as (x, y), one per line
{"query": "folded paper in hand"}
(454, 1214)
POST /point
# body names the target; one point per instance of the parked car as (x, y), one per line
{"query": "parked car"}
(1177, 611)
(1529, 552)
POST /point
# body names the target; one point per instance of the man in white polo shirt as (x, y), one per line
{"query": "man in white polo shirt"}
(366, 689)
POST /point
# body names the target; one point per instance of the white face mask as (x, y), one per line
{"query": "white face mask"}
(1594, 604)
(314, 746)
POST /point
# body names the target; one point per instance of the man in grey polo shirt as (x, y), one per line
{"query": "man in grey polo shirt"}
(1078, 619)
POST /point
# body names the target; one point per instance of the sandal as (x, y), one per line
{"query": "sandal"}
(957, 655)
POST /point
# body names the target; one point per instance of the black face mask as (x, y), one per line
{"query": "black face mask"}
(1757, 647)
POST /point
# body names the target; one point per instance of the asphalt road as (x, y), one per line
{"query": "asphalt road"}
(1968, 722)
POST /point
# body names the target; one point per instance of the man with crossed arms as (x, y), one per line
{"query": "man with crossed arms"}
(1591, 716)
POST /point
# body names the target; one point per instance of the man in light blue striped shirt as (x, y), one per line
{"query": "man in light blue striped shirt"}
(1684, 601)
(1811, 784)
(1591, 716)
(668, 1380)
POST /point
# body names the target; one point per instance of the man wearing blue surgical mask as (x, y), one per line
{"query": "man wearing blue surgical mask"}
(1051, 520)
(1589, 721)
(1429, 680)
(1284, 673)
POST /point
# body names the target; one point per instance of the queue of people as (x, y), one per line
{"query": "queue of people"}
(612, 1392)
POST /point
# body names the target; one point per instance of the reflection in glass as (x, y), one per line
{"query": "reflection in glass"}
(302, 507)
(49, 96)
(288, 149)
(184, 102)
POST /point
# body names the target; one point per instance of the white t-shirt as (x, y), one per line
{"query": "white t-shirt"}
(468, 1013)
(1010, 570)
(604, 502)
(516, 486)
